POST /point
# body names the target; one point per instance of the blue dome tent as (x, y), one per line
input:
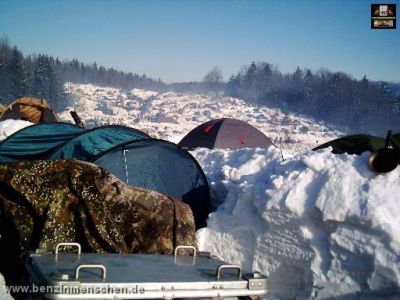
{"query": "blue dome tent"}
(129, 154)
(163, 167)
(89, 143)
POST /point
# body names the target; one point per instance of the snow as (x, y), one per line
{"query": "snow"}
(143, 94)
(318, 225)
(171, 116)
(8, 127)
(3, 294)
(316, 220)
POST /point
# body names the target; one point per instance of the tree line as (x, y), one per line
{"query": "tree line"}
(334, 97)
(78, 72)
(43, 76)
(34, 76)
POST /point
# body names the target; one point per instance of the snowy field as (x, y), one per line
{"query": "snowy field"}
(318, 225)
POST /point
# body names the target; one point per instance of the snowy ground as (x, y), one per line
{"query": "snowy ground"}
(8, 127)
(171, 115)
(319, 225)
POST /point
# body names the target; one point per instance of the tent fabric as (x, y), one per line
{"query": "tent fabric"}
(359, 143)
(11, 112)
(2, 108)
(90, 143)
(129, 154)
(225, 134)
(29, 109)
(163, 167)
(395, 139)
(63, 141)
(36, 141)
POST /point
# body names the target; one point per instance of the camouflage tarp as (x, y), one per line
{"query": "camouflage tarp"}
(43, 203)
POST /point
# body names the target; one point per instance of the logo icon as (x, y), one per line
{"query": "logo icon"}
(383, 16)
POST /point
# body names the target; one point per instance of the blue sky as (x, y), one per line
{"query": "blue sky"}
(183, 40)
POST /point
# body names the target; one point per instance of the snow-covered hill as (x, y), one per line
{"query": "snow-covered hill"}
(171, 115)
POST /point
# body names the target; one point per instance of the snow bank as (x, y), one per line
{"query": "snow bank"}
(3, 292)
(319, 225)
(8, 127)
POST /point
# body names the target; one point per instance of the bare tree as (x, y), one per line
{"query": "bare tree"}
(214, 80)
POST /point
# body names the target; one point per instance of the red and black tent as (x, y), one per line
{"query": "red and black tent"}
(225, 134)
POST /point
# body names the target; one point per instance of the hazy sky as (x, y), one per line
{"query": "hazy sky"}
(183, 40)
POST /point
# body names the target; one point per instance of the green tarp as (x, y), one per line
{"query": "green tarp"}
(90, 143)
(359, 143)
(36, 141)
(63, 140)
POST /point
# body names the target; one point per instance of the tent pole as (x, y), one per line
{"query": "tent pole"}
(76, 118)
(125, 165)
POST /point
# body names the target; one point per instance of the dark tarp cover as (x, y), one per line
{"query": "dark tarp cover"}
(225, 134)
(359, 143)
(36, 141)
(163, 167)
(91, 143)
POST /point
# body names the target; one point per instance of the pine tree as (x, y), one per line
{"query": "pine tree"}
(40, 78)
(5, 57)
(46, 84)
(18, 76)
(249, 85)
(265, 81)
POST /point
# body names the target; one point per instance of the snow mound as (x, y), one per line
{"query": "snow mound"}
(319, 225)
(142, 94)
(8, 127)
(4, 295)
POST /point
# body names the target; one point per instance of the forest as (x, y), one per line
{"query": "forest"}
(43, 76)
(335, 98)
